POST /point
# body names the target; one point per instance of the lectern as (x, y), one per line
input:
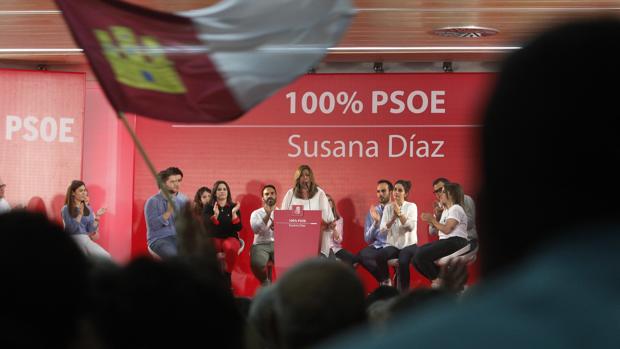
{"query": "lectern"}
(297, 236)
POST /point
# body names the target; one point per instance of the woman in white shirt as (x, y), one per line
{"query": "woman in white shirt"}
(399, 222)
(452, 228)
(306, 192)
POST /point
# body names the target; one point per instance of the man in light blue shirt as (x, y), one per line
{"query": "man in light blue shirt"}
(161, 234)
(371, 257)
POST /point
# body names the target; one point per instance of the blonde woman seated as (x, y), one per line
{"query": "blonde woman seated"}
(81, 222)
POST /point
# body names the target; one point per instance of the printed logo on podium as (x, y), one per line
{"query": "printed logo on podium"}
(297, 210)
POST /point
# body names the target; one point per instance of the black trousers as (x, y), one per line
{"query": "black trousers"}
(426, 255)
(405, 257)
(375, 261)
(347, 257)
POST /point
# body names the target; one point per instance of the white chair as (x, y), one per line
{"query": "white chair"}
(394, 264)
(241, 247)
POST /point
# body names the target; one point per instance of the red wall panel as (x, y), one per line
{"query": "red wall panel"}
(335, 112)
(41, 126)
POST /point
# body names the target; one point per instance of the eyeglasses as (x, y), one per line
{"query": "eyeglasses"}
(438, 191)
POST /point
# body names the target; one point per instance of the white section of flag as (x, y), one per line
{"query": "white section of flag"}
(259, 46)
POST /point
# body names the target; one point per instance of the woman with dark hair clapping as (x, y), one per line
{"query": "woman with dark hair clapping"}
(81, 222)
(223, 221)
(400, 223)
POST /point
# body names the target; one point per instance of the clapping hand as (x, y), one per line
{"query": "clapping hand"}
(101, 212)
(374, 214)
(269, 209)
(437, 209)
(236, 208)
(427, 217)
(336, 236)
(216, 210)
(396, 209)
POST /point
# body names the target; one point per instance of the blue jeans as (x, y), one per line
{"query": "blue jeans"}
(165, 247)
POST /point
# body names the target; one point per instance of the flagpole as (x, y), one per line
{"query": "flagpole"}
(149, 164)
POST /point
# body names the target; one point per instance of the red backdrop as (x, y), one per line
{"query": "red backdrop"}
(40, 136)
(352, 129)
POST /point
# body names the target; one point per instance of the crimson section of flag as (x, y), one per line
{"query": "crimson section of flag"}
(150, 63)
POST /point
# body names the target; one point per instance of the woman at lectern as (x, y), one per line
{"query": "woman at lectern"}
(306, 192)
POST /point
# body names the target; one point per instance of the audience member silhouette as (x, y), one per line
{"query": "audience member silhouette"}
(316, 300)
(378, 304)
(261, 332)
(169, 304)
(381, 293)
(551, 281)
(44, 283)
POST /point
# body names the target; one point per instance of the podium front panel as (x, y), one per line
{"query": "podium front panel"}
(297, 237)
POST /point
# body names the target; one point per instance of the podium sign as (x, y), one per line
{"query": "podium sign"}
(297, 237)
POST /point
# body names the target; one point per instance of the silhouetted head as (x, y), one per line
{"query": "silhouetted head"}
(549, 123)
(44, 282)
(169, 304)
(381, 293)
(316, 300)
(261, 321)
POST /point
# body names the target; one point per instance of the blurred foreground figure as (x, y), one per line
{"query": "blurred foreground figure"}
(551, 273)
(44, 283)
(316, 300)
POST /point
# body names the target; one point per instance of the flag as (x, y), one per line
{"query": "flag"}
(205, 65)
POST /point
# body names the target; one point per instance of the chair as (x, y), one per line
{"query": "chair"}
(394, 264)
(241, 247)
(468, 252)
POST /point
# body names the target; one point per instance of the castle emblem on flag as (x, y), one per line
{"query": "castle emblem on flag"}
(139, 62)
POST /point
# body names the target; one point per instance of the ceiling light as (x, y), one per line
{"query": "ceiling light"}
(465, 32)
